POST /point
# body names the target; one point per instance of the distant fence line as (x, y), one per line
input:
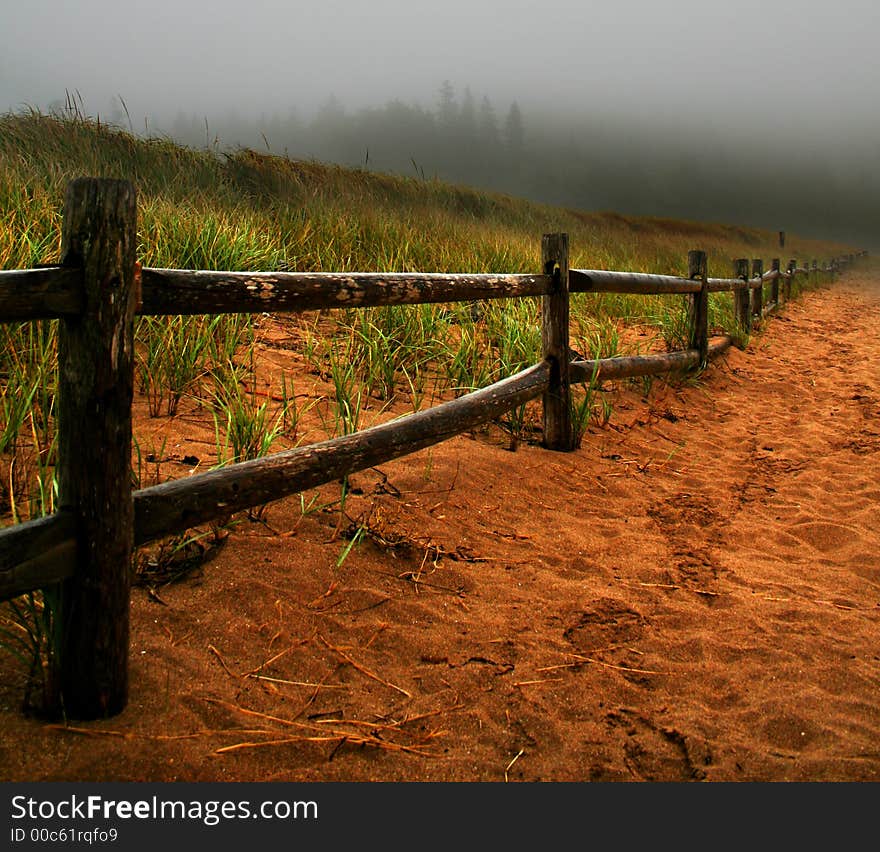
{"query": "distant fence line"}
(98, 288)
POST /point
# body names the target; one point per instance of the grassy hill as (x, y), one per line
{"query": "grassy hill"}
(246, 210)
(212, 390)
(202, 209)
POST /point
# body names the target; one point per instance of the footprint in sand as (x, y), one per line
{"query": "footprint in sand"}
(825, 537)
(606, 622)
(790, 732)
(659, 753)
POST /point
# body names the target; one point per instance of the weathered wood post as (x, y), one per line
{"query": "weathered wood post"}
(814, 271)
(95, 386)
(741, 311)
(774, 286)
(698, 305)
(758, 292)
(558, 433)
(792, 266)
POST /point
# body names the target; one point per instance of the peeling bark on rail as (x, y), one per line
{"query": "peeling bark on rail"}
(183, 503)
(55, 292)
(186, 292)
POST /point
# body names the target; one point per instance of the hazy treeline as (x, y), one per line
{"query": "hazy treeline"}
(575, 159)
(463, 139)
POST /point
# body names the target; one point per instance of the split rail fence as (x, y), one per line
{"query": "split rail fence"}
(96, 291)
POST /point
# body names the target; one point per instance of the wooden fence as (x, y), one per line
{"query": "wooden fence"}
(96, 291)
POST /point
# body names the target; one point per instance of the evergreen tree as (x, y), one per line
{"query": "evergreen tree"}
(468, 118)
(329, 131)
(487, 125)
(447, 111)
(513, 131)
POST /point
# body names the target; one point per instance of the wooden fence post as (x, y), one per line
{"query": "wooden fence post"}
(558, 433)
(741, 311)
(792, 266)
(758, 292)
(95, 388)
(698, 305)
(774, 286)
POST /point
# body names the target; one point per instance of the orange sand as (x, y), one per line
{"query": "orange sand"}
(693, 595)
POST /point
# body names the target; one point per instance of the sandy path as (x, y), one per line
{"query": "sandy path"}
(695, 594)
(773, 510)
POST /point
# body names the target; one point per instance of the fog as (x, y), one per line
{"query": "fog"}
(758, 113)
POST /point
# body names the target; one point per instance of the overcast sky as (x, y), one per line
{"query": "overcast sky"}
(730, 62)
(773, 82)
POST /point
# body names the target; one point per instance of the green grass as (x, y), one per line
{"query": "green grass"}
(251, 211)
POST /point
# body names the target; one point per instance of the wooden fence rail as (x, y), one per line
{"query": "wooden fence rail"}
(96, 291)
(55, 292)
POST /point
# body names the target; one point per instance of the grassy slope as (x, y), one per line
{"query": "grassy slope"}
(202, 209)
(247, 210)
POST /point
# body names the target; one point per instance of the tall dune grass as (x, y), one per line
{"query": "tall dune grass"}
(250, 211)
(246, 210)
